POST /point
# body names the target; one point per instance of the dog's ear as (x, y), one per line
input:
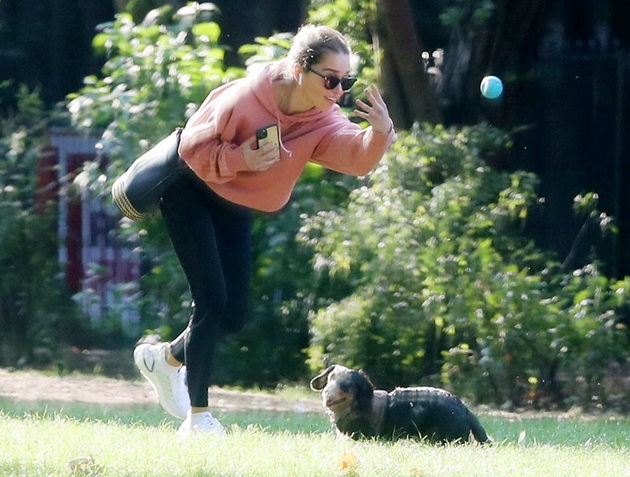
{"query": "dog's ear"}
(367, 379)
(365, 391)
(319, 382)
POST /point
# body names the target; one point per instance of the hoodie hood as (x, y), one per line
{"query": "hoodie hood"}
(261, 82)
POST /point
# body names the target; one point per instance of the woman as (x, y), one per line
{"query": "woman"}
(208, 214)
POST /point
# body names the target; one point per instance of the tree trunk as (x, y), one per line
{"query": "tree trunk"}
(408, 91)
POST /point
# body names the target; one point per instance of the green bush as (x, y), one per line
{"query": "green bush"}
(447, 289)
(272, 348)
(155, 75)
(148, 87)
(37, 317)
(157, 72)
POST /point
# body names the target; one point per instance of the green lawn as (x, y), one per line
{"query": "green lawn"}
(47, 439)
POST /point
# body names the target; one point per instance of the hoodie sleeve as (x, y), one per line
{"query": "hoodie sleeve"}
(207, 143)
(349, 149)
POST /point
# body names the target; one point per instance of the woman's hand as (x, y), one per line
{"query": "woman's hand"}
(262, 158)
(375, 112)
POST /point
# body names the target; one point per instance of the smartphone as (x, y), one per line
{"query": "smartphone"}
(268, 134)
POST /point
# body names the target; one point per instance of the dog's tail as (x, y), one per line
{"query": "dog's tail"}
(477, 429)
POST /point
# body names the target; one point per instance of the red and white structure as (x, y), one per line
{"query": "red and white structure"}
(100, 269)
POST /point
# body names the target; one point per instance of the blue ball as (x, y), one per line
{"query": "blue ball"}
(491, 87)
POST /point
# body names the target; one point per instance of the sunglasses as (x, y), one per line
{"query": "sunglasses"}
(331, 82)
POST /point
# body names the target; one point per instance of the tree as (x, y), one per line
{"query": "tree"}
(46, 45)
(404, 78)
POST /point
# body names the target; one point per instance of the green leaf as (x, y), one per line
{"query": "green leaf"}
(211, 31)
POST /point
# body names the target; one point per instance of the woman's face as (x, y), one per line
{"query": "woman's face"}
(313, 89)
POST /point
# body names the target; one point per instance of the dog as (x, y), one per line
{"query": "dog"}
(359, 410)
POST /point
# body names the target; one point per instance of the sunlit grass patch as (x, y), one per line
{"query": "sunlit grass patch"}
(52, 442)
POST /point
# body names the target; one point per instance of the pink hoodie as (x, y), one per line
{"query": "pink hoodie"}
(231, 114)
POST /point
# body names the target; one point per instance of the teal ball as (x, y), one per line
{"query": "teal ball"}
(491, 87)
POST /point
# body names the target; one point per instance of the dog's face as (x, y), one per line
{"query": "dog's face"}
(343, 389)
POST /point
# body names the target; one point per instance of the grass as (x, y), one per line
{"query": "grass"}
(48, 439)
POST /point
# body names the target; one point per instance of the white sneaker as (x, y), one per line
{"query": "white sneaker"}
(200, 422)
(168, 381)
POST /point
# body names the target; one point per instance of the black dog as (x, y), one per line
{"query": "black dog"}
(358, 410)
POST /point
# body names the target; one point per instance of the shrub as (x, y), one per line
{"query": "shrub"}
(447, 289)
(157, 72)
(36, 312)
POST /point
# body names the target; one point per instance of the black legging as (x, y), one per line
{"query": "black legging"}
(212, 240)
